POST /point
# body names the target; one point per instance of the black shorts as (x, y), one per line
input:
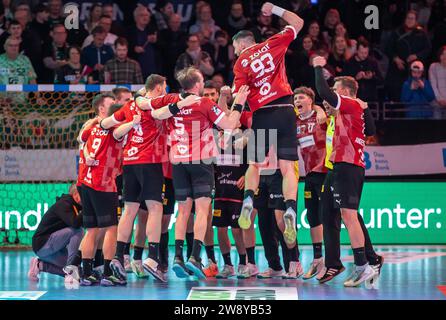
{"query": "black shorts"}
(312, 195)
(274, 126)
(99, 209)
(269, 193)
(143, 182)
(226, 214)
(348, 180)
(192, 180)
(168, 197)
(120, 187)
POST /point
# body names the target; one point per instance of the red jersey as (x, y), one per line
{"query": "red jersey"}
(82, 166)
(107, 152)
(191, 132)
(145, 142)
(167, 170)
(349, 137)
(262, 68)
(311, 138)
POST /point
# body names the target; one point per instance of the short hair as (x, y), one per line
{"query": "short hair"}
(79, 50)
(188, 77)
(58, 25)
(193, 35)
(362, 41)
(120, 90)
(113, 108)
(14, 23)
(8, 40)
(244, 35)
(138, 9)
(221, 34)
(122, 42)
(98, 30)
(98, 100)
(306, 91)
(153, 80)
(348, 82)
(41, 8)
(209, 84)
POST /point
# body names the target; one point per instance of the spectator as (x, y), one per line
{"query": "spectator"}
(332, 18)
(314, 31)
(194, 56)
(58, 236)
(56, 14)
(143, 42)
(424, 9)
(437, 78)
(163, 12)
(339, 54)
(340, 30)
(263, 29)
(364, 69)
(303, 9)
(40, 23)
(236, 20)
(210, 91)
(122, 69)
(110, 39)
(116, 27)
(55, 53)
(172, 43)
(224, 54)
(72, 71)
(218, 81)
(418, 92)
(93, 17)
(406, 44)
(299, 59)
(205, 24)
(97, 54)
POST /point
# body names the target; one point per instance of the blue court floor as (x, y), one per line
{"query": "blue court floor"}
(410, 272)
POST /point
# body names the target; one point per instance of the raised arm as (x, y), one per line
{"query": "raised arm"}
(322, 86)
(290, 17)
(123, 129)
(231, 121)
(224, 98)
(87, 126)
(173, 108)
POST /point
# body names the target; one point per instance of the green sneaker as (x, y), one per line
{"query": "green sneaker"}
(138, 269)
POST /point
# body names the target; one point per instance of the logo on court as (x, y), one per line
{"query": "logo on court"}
(242, 293)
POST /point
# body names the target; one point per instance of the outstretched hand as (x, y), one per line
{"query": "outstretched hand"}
(242, 95)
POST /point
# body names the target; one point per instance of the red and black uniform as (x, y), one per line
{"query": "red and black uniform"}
(168, 190)
(262, 68)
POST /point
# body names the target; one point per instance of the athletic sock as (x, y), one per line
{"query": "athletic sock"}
(227, 258)
(248, 193)
(107, 269)
(179, 249)
(153, 250)
(127, 249)
(87, 267)
(76, 259)
(164, 247)
(250, 252)
(196, 249)
(120, 247)
(189, 243)
(98, 258)
(359, 256)
(137, 253)
(210, 253)
(292, 254)
(242, 259)
(317, 250)
(290, 203)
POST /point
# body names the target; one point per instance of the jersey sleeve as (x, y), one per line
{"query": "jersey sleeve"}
(347, 105)
(85, 134)
(283, 38)
(120, 115)
(159, 102)
(240, 77)
(213, 111)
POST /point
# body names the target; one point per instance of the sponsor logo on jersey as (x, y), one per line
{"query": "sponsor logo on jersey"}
(132, 151)
(216, 110)
(258, 52)
(360, 141)
(185, 112)
(137, 139)
(244, 63)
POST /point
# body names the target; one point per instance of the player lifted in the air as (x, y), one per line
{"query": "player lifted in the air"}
(262, 67)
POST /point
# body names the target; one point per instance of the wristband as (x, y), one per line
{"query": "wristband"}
(173, 108)
(237, 107)
(278, 11)
(100, 124)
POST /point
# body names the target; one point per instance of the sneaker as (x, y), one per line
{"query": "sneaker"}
(70, 283)
(211, 270)
(373, 283)
(99, 269)
(228, 271)
(315, 269)
(360, 275)
(164, 267)
(127, 264)
(91, 280)
(270, 273)
(243, 271)
(138, 268)
(196, 267)
(328, 274)
(289, 219)
(253, 270)
(73, 272)
(111, 281)
(295, 270)
(151, 266)
(97, 274)
(33, 273)
(244, 220)
(180, 268)
(118, 269)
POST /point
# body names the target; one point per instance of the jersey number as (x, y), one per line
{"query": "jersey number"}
(263, 65)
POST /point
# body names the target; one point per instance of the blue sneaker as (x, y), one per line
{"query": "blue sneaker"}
(179, 268)
(196, 267)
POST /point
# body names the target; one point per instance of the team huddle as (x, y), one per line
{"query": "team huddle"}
(224, 159)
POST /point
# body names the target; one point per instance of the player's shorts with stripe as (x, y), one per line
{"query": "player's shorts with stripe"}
(348, 181)
(226, 214)
(192, 180)
(143, 182)
(99, 209)
(269, 193)
(312, 194)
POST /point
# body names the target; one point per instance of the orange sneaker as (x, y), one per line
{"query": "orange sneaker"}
(211, 270)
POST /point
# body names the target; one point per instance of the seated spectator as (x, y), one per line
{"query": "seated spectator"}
(97, 54)
(314, 31)
(263, 29)
(437, 78)
(116, 27)
(55, 8)
(339, 54)
(194, 56)
(40, 23)
(364, 69)
(236, 20)
(55, 53)
(73, 71)
(94, 16)
(406, 44)
(162, 13)
(205, 24)
(122, 69)
(417, 92)
(106, 23)
(332, 18)
(424, 9)
(340, 30)
(218, 81)
(58, 236)
(224, 54)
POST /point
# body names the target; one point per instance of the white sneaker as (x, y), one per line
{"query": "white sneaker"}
(243, 271)
(289, 219)
(253, 270)
(73, 272)
(127, 264)
(33, 273)
(228, 271)
(270, 273)
(295, 270)
(321, 273)
(360, 275)
(244, 220)
(315, 269)
(70, 283)
(151, 266)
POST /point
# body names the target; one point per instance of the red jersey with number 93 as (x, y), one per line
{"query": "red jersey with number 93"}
(262, 68)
